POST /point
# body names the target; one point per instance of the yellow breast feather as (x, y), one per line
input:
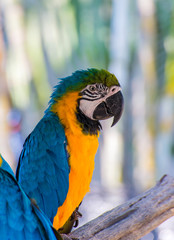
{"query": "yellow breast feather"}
(82, 149)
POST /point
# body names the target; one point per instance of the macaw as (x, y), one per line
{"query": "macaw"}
(57, 161)
(19, 218)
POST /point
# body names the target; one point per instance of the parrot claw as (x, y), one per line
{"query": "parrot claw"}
(75, 216)
(73, 221)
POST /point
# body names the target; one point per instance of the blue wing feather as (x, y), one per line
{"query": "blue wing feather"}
(43, 170)
(19, 219)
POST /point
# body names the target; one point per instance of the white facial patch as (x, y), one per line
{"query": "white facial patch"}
(93, 95)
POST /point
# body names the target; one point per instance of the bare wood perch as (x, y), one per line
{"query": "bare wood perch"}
(133, 219)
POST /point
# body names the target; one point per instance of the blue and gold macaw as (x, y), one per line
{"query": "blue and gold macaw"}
(57, 160)
(19, 218)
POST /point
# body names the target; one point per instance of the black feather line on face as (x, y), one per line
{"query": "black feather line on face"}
(88, 125)
(89, 99)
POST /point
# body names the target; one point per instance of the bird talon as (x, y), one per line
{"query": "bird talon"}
(76, 223)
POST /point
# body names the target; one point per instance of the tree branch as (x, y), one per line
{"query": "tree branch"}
(133, 219)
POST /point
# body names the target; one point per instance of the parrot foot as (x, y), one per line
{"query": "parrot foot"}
(75, 217)
(73, 221)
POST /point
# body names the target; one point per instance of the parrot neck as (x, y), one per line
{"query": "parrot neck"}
(66, 108)
(88, 125)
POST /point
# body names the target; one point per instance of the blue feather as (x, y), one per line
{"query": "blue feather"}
(19, 219)
(43, 170)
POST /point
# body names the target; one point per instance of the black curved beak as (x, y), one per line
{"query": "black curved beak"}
(112, 106)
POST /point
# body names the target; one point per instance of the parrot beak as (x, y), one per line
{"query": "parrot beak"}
(111, 107)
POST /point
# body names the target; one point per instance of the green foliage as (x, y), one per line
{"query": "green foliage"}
(60, 37)
(72, 32)
(165, 43)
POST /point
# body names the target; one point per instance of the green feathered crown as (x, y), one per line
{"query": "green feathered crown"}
(79, 80)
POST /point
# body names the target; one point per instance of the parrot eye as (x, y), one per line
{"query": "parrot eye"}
(92, 88)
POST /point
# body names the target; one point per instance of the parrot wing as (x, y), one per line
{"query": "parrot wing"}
(19, 219)
(43, 170)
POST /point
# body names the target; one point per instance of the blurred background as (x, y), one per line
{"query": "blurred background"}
(42, 41)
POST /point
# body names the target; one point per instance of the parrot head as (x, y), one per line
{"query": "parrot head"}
(99, 96)
(99, 102)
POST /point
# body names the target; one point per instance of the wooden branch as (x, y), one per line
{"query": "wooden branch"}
(133, 219)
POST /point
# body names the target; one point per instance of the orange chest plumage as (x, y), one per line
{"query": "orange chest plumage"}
(82, 149)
